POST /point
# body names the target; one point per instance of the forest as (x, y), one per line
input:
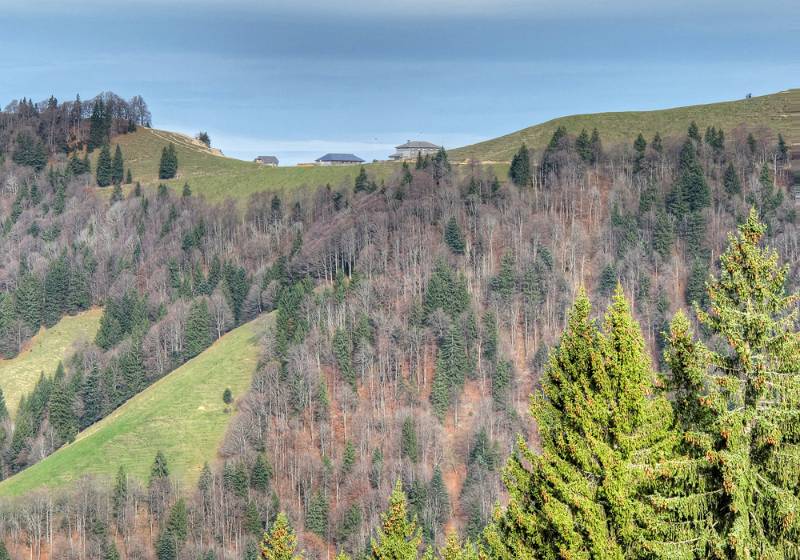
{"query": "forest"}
(436, 382)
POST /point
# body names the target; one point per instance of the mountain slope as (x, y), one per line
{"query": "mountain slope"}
(217, 177)
(182, 414)
(18, 375)
(770, 111)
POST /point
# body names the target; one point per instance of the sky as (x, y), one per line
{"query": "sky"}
(299, 78)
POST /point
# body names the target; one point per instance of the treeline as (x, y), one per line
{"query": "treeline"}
(413, 317)
(31, 132)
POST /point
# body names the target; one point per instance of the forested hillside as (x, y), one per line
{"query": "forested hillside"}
(414, 313)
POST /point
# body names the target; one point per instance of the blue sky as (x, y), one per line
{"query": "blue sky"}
(304, 77)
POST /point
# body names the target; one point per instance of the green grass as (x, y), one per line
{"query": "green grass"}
(182, 414)
(770, 111)
(18, 375)
(217, 177)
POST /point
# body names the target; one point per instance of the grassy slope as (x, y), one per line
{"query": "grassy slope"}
(18, 376)
(181, 414)
(218, 177)
(615, 128)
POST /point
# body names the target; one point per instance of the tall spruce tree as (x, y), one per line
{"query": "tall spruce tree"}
(398, 538)
(453, 236)
(104, 171)
(740, 403)
(280, 542)
(117, 167)
(586, 495)
(198, 329)
(520, 170)
(691, 179)
(168, 166)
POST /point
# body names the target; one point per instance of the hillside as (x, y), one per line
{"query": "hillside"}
(217, 177)
(770, 111)
(181, 414)
(42, 354)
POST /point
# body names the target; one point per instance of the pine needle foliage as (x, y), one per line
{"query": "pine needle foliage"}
(588, 493)
(740, 401)
(398, 538)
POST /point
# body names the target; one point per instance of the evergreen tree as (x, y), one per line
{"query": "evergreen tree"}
(168, 166)
(376, 468)
(117, 167)
(608, 279)
(99, 126)
(342, 351)
(452, 365)
(596, 147)
(501, 382)
(29, 300)
(317, 515)
(438, 498)
(783, 149)
(731, 182)
(692, 180)
(409, 447)
(104, 171)
(657, 144)
(446, 291)
(63, 416)
(695, 283)
(441, 165)
(128, 177)
(662, 234)
(397, 538)
(453, 236)
(520, 170)
(586, 494)
(744, 433)
(694, 132)
(166, 548)
(639, 146)
(551, 161)
(187, 190)
(362, 182)
(159, 470)
(583, 146)
(280, 542)
(119, 495)
(348, 458)
(252, 520)
(453, 550)
(197, 336)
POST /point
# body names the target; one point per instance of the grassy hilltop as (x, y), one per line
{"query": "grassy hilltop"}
(217, 177)
(770, 111)
(182, 415)
(18, 375)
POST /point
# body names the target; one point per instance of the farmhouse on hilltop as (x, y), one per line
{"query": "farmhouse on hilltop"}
(339, 159)
(269, 161)
(413, 149)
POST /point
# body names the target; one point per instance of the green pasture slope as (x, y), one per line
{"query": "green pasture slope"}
(19, 375)
(217, 177)
(768, 111)
(182, 414)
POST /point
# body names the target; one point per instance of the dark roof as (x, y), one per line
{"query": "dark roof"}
(417, 144)
(267, 159)
(341, 157)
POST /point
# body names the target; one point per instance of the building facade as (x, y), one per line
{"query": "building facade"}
(339, 159)
(269, 161)
(411, 150)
